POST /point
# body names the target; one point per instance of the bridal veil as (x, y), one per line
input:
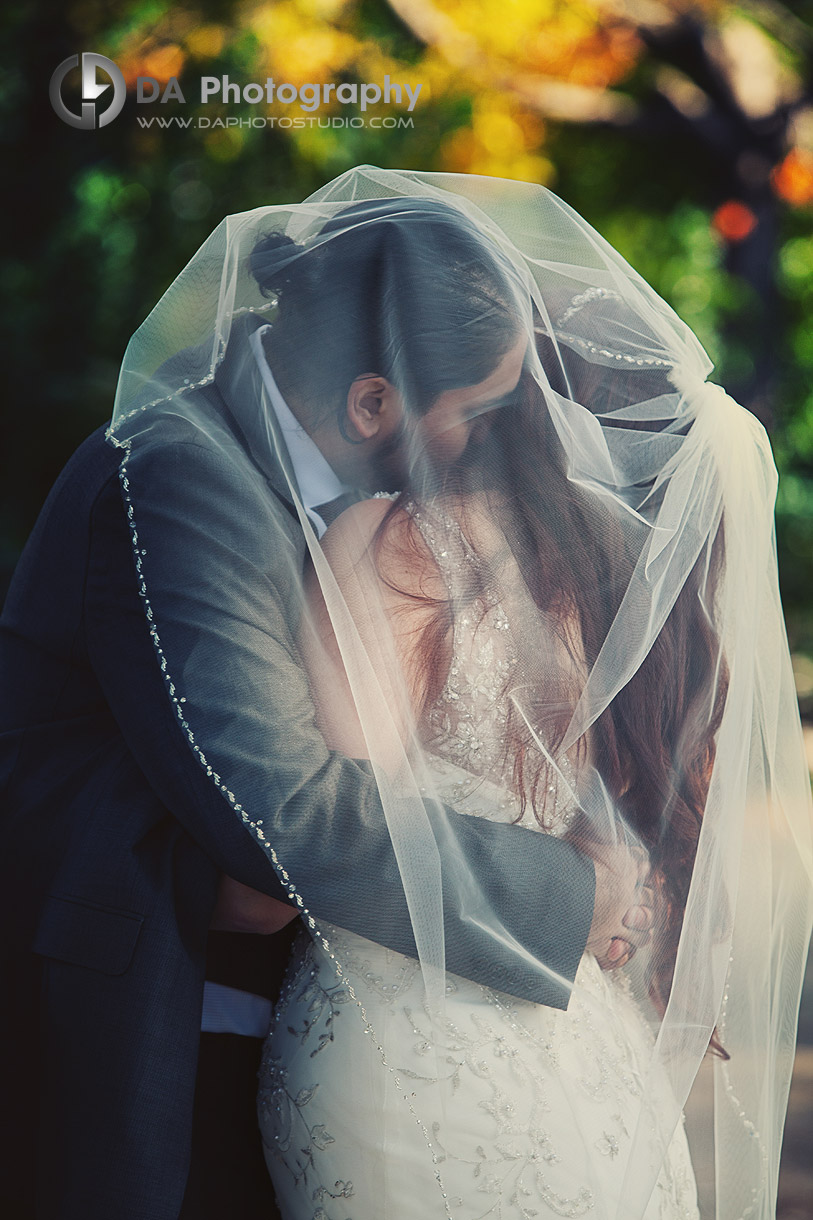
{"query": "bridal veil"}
(629, 511)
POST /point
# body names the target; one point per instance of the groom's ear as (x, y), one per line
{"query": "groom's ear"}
(371, 406)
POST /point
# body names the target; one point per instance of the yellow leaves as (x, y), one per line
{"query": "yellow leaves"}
(205, 41)
(545, 57)
(317, 56)
(511, 65)
(323, 10)
(500, 142)
(299, 42)
(525, 168)
(496, 38)
(498, 133)
(504, 27)
(439, 77)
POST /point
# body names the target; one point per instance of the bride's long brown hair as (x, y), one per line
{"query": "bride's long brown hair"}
(654, 746)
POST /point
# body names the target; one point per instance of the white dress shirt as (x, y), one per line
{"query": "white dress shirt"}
(225, 1009)
(317, 482)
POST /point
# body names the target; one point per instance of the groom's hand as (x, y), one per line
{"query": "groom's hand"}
(623, 908)
(242, 909)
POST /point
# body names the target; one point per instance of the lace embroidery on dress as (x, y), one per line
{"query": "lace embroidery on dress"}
(532, 1093)
(468, 720)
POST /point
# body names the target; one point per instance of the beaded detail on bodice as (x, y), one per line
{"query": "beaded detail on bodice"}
(468, 720)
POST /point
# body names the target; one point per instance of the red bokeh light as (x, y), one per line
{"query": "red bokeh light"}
(734, 220)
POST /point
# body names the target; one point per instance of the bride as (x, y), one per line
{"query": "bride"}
(555, 610)
(491, 1106)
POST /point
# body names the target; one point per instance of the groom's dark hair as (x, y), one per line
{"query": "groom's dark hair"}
(408, 288)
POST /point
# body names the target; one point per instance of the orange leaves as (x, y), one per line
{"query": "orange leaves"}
(497, 38)
(599, 56)
(493, 74)
(793, 179)
(161, 62)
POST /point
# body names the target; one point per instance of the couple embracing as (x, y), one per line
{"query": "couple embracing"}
(417, 598)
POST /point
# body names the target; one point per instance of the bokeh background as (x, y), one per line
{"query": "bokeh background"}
(682, 131)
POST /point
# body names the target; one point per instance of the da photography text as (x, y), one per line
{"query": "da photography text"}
(309, 97)
(103, 93)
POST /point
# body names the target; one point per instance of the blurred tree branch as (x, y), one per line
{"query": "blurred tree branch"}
(710, 75)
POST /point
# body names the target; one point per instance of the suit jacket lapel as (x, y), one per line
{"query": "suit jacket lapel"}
(239, 382)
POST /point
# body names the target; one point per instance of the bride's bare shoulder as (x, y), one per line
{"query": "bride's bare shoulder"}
(353, 532)
(392, 551)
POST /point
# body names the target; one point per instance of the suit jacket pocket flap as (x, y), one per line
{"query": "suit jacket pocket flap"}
(78, 932)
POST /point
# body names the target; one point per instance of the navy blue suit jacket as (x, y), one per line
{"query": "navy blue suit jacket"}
(113, 840)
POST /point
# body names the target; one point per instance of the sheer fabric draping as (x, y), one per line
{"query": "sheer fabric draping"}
(605, 535)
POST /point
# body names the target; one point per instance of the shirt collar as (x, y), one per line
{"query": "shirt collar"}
(317, 481)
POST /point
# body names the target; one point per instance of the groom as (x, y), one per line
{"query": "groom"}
(115, 839)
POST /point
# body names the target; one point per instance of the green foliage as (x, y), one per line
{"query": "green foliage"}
(650, 202)
(103, 222)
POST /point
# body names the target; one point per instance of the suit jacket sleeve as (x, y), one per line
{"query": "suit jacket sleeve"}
(217, 587)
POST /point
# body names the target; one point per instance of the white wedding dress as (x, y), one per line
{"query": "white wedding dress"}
(540, 1104)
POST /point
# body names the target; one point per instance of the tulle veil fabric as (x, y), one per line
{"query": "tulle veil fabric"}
(669, 475)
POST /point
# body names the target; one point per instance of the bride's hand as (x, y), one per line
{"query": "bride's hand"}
(623, 909)
(242, 909)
